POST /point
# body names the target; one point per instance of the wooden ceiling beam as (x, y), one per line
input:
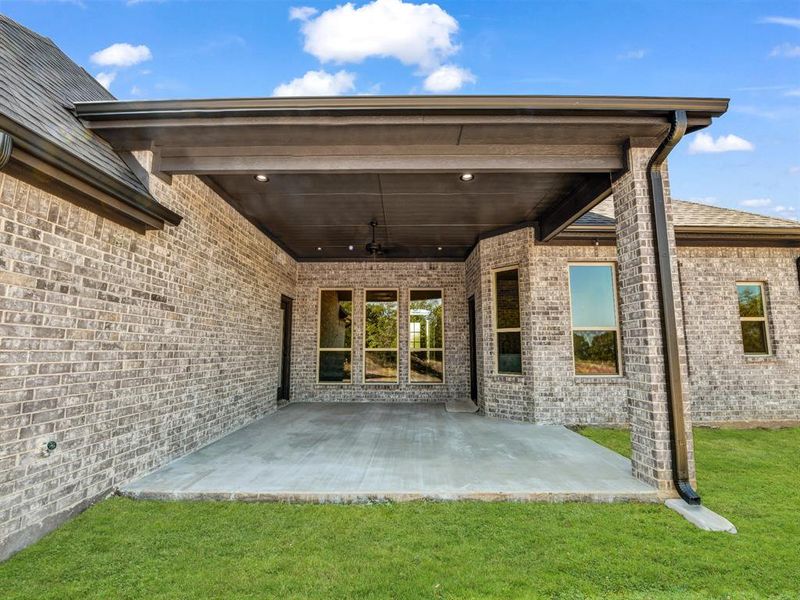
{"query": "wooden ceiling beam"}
(584, 198)
(369, 163)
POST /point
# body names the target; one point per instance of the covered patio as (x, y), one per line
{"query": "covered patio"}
(364, 452)
(379, 198)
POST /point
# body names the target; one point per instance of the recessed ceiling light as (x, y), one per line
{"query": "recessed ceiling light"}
(439, 248)
(351, 247)
(319, 248)
(467, 177)
(262, 178)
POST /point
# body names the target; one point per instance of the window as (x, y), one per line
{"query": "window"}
(507, 322)
(595, 327)
(380, 336)
(335, 336)
(426, 336)
(753, 317)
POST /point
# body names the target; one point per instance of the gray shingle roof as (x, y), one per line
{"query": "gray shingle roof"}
(39, 83)
(692, 214)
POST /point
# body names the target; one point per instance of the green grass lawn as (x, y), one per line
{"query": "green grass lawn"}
(134, 549)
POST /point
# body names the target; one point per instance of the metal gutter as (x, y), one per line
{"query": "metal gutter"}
(699, 107)
(33, 145)
(686, 234)
(669, 326)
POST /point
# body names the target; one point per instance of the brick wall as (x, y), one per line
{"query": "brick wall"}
(128, 350)
(725, 384)
(448, 276)
(506, 396)
(560, 396)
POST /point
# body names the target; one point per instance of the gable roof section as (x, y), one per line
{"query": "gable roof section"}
(693, 220)
(39, 86)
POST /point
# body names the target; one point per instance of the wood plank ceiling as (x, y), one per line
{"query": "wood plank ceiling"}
(336, 166)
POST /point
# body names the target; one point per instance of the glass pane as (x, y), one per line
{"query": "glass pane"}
(592, 294)
(335, 318)
(381, 319)
(754, 337)
(507, 290)
(509, 352)
(427, 366)
(425, 315)
(334, 367)
(751, 304)
(595, 352)
(380, 367)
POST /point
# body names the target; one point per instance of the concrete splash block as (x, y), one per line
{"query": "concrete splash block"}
(700, 516)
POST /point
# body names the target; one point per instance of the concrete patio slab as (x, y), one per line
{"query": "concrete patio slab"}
(363, 452)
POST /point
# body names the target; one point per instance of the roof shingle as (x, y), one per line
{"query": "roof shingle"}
(39, 84)
(692, 214)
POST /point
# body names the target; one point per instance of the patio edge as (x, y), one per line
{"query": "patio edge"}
(384, 497)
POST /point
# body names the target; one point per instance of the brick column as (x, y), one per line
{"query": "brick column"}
(642, 340)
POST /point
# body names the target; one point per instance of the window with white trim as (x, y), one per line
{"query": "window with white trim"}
(595, 324)
(753, 317)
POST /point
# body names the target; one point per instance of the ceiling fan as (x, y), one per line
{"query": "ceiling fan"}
(374, 248)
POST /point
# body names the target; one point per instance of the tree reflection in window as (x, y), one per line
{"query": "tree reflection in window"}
(595, 327)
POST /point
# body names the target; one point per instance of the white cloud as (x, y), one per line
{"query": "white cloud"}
(788, 21)
(106, 79)
(756, 202)
(705, 200)
(704, 143)
(794, 170)
(301, 13)
(787, 212)
(793, 93)
(318, 83)
(121, 55)
(414, 34)
(785, 50)
(448, 78)
(761, 88)
(632, 54)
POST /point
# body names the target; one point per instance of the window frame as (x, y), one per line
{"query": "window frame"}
(765, 319)
(364, 348)
(319, 334)
(444, 343)
(496, 331)
(617, 329)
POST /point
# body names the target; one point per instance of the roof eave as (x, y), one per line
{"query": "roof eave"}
(701, 235)
(34, 152)
(701, 108)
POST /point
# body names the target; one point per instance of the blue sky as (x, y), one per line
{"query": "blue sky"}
(747, 51)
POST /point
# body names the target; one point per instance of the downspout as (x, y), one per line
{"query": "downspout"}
(669, 327)
(6, 146)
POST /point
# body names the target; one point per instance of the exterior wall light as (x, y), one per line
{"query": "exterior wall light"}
(261, 178)
(467, 177)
